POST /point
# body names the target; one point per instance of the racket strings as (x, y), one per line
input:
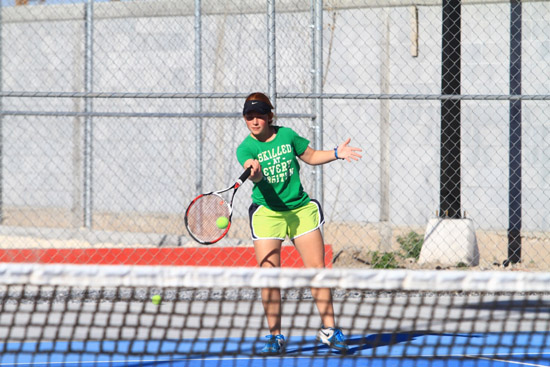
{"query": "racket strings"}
(202, 217)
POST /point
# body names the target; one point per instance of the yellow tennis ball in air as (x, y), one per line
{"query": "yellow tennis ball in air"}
(156, 299)
(222, 222)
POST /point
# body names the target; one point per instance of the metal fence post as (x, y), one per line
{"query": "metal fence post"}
(1, 123)
(385, 141)
(271, 53)
(198, 89)
(514, 191)
(450, 170)
(318, 89)
(88, 108)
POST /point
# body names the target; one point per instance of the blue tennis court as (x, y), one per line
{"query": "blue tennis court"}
(401, 349)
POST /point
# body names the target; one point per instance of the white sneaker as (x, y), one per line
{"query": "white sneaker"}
(333, 337)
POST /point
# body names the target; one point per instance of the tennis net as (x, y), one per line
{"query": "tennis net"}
(92, 315)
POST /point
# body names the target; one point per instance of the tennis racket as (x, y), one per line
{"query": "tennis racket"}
(202, 214)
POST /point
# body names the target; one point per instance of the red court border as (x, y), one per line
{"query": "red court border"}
(178, 256)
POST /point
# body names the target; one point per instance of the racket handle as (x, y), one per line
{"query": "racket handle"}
(245, 175)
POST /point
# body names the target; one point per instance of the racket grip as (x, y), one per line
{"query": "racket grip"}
(245, 174)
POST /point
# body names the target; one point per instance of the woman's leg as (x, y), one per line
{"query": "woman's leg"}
(268, 255)
(312, 250)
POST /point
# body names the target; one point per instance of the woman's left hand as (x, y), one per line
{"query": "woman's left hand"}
(348, 153)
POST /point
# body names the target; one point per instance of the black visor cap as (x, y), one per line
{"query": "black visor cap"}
(256, 106)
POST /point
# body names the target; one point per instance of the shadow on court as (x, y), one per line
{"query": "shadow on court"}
(360, 343)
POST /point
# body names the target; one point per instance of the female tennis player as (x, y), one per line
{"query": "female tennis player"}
(280, 208)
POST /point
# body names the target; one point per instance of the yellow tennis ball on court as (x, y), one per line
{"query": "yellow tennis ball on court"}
(222, 222)
(156, 299)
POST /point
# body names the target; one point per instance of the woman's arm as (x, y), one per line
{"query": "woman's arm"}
(343, 151)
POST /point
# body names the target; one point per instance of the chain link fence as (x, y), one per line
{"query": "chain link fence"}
(115, 114)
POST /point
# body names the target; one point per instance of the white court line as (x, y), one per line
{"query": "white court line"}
(510, 362)
(170, 360)
(245, 358)
(248, 359)
(286, 356)
(82, 362)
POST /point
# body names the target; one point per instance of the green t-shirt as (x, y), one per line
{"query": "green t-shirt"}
(281, 188)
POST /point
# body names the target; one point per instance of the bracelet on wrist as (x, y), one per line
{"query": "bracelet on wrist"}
(336, 153)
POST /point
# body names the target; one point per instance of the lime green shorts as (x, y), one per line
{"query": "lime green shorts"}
(269, 224)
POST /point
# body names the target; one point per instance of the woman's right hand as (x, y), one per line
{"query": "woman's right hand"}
(256, 174)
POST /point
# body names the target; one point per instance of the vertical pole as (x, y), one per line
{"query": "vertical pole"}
(271, 53)
(88, 107)
(1, 121)
(514, 190)
(318, 88)
(198, 101)
(313, 32)
(450, 173)
(385, 227)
